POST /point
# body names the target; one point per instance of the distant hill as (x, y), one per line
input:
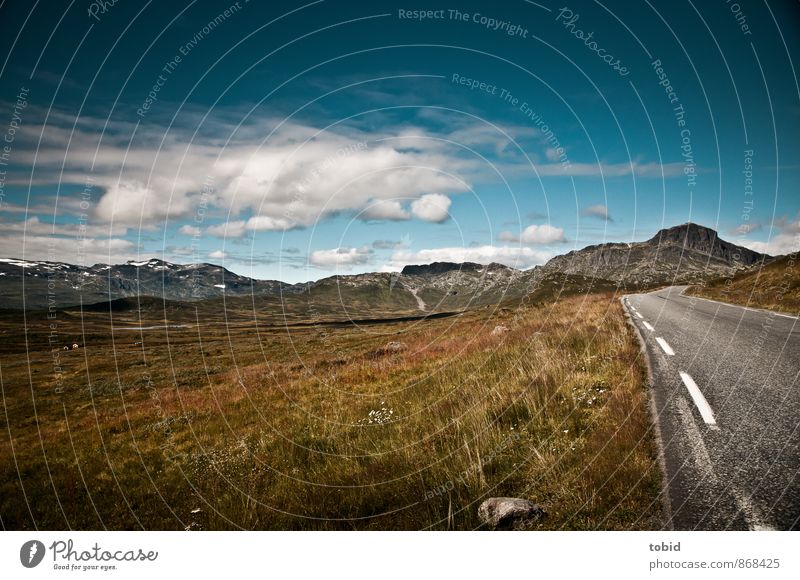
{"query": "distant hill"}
(775, 286)
(40, 284)
(687, 253)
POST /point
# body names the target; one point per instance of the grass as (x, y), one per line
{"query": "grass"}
(241, 426)
(775, 286)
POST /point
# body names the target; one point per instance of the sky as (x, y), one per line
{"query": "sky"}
(294, 140)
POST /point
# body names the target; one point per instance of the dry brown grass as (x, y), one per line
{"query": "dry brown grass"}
(775, 286)
(323, 428)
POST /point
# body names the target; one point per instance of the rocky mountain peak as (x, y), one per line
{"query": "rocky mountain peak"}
(694, 237)
(691, 234)
(685, 253)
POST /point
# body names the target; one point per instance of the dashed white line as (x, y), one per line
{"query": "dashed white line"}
(665, 346)
(647, 325)
(639, 315)
(699, 399)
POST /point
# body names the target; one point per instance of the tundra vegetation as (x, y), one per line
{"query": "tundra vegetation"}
(158, 423)
(774, 286)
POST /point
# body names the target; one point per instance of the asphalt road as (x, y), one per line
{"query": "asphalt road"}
(726, 396)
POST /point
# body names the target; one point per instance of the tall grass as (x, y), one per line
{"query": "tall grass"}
(313, 429)
(775, 286)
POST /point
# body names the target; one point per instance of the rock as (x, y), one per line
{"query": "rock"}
(500, 330)
(394, 346)
(508, 513)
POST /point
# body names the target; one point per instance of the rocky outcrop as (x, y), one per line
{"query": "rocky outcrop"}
(500, 330)
(509, 513)
(395, 346)
(437, 268)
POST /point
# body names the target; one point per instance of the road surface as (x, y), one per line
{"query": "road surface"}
(726, 395)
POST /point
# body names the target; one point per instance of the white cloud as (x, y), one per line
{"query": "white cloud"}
(778, 245)
(786, 241)
(129, 201)
(534, 235)
(217, 255)
(385, 209)
(180, 251)
(432, 207)
(606, 170)
(391, 244)
(554, 154)
(188, 230)
(485, 137)
(516, 257)
(288, 174)
(84, 252)
(294, 174)
(237, 228)
(34, 226)
(340, 257)
(599, 211)
(234, 229)
(263, 223)
(746, 228)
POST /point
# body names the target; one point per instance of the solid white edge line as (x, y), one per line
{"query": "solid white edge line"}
(756, 310)
(699, 399)
(647, 325)
(665, 346)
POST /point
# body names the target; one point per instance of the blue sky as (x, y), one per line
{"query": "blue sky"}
(299, 140)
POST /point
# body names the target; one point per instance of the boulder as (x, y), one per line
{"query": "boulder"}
(394, 346)
(500, 330)
(508, 513)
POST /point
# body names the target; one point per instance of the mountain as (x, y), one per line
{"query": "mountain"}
(55, 284)
(437, 287)
(417, 289)
(453, 286)
(686, 253)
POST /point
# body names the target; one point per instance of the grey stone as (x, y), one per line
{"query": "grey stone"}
(500, 329)
(508, 513)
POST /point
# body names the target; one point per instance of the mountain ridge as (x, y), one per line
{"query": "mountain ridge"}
(686, 253)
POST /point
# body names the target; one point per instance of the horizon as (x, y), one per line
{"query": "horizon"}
(144, 260)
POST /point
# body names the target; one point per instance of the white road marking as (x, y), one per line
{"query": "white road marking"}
(706, 468)
(762, 528)
(664, 346)
(752, 517)
(699, 399)
(647, 325)
(639, 315)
